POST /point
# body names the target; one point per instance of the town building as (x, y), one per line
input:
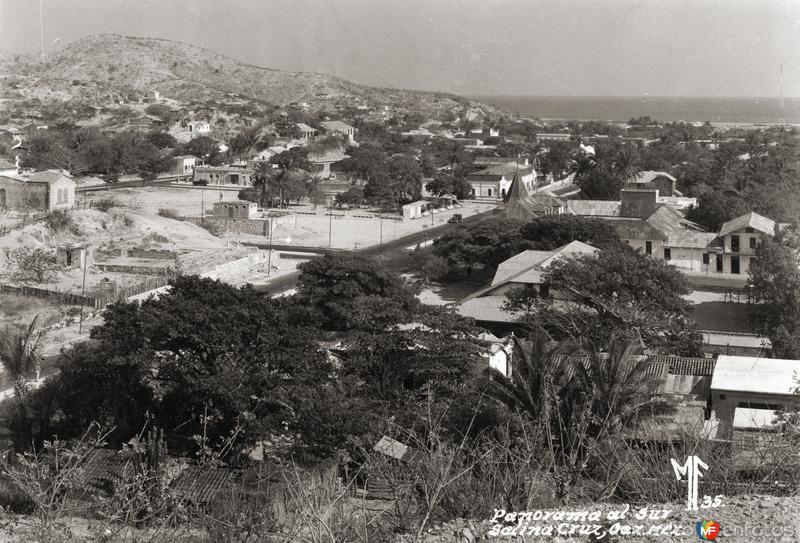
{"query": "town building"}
(521, 204)
(495, 181)
(737, 240)
(223, 175)
(338, 128)
(39, 191)
(184, 164)
(664, 182)
(552, 136)
(235, 209)
(321, 162)
(747, 390)
(306, 132)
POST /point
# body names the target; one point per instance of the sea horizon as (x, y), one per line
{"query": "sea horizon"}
(716, 110)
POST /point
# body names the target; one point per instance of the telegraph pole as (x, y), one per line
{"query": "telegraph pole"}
(83, 287)
(269, 261)
(330, 226)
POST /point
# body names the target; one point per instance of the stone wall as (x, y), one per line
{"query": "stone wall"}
(258, 227)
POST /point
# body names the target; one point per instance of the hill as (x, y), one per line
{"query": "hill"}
(106, 67)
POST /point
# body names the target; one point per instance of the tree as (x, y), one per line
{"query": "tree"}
(35, 264)
(622, 292)
(20, 350)
(162, 140)
(483, 245)
(551, 232)
(351, 198)
(714, 208)
(262, 173)
(314, 190)
(348, 291)
(205, 148)
(400, 184)
(775, 280)
(289, 177)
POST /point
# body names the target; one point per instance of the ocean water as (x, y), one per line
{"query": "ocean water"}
(714, 110)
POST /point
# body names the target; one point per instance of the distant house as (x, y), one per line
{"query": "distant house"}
(747, 390)
(519, 203)
(198, 128)
(552, 136)
(184, 164)
(664, 182)
(153, 97)
(658, 230)
(338, 128)
(495, 181)
(322, 161)
(486, 161)
(737, 241)
(527, 269)
(223, 175)
(306, 132)
(235, 209)
(40, 191)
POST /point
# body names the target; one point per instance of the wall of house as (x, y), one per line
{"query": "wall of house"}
(724, 404)
(687, 258)
(19, 196)
(658, 246)
(67, 194)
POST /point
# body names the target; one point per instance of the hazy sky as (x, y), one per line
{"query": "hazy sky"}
(534, 47)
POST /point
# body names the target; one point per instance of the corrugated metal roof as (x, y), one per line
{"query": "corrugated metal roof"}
(595, 208)
(756, 374)
(750, 220)
(648, 176)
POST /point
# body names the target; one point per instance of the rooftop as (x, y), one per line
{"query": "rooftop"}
(648, 176)
(335, 126)
(49, 176)
(756, 375)
(751, 220)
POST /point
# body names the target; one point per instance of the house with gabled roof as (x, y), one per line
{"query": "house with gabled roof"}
(737, 240)
(527, 269)
(520, 203)
(40, 191)
(648, 179)
(495, 181)
(338, 128)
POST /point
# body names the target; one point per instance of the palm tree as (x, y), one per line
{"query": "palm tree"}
(582, 166)
(19, 353)
(626, 163)
(315, 193)
(262, 173)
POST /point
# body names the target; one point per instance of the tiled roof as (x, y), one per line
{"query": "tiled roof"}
(302, 127)
(750, 220)
(200, 484)
(499, 170)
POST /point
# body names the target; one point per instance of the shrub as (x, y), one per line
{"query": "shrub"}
(169, 213)
(35, 264)
(105, 204)
(200, 182)
(213, 227)
(60, 221)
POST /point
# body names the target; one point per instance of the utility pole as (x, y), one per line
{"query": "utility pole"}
(41, 26)
(330, 226)
(269, 258)
(83, 287)
(380, 250)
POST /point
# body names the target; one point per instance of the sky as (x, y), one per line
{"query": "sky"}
(470, 47)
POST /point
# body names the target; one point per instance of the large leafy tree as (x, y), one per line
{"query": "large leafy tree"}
(348, 291)
(551, 232)
(775, 279)
(400, 182)
(205, 358)
(622, 292)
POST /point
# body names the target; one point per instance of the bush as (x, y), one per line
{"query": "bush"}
(212, 226)
(34, 264)
(60, 221)
(169, 213)
(200, 182)
(105, 204)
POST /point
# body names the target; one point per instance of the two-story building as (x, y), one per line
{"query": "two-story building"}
(736, 242)
(184, 165)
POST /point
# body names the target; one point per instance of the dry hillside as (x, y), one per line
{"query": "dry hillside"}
(101, 68)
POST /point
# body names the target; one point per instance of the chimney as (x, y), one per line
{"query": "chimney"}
(638, 203)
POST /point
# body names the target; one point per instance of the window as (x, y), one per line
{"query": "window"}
(705, 258)
(735, 243)
(489, 191)
(748, 230)
(722, 396)
(648, 247)
(667, 254)
(753, 242)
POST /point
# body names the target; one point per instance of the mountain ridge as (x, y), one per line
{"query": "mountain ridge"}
(110, 67)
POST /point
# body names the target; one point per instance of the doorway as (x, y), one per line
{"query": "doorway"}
(734, 264)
